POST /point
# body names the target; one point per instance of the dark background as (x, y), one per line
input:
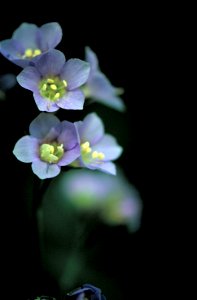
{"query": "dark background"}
(130, 53)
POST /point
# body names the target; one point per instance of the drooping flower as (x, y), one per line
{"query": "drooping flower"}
(54, 82)
(98, 87)
(7, 81)
(86, 292)
(29, 41)
(50, 145)
(97, 148)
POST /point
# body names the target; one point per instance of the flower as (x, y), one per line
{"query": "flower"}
(87, 291)
(30, 41)
(98, 86)
(97, 149)
(50, 145)
(112, 198)
(7, 81)
(54, 82)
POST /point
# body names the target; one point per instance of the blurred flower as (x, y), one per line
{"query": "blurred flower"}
(98, 86)
(54, 82)
(30, 41)
(86, 292)
(112, 198)
(50, 145)
(97, 148)
(7, 81)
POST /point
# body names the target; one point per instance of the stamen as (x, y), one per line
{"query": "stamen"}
(53, 87)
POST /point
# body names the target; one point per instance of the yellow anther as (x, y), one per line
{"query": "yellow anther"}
(53, 87)
(57, 95)
(49, 80)
(101, 155)
(28, 52)
(36, 52)
(85, 145)
(95, 154)
(44, 87)
(65, 83)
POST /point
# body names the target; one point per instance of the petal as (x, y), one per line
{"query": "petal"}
(9, 48)
(104, 92)
(29, 78)
(44, 170)
(113, 102)
(91, 57)
(91, 129)
(42, 124)
(26, 149)
(106, 167)
(75, 72)
(26, 34)
(72, 100)
(50, 63)
(108, 145)
(70, 156)
(68, 135)
(50, 35)
(44, 104)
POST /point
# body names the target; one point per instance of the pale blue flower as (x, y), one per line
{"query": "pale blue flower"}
(55, 82)
(50, 145)
(98, 149)
(29, 41)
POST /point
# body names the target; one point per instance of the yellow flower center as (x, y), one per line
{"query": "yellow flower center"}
(30, 53)
(51, 153)
(89, 155)
(52, 88)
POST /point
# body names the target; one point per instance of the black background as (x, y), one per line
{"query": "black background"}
(131, 53)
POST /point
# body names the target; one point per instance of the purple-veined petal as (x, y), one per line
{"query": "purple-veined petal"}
(26, 34)
(42, 125)
(91, 57)
(68, 135)
(44, 104)
(70, 156)
(44, 170)
(50, 35)
(50, 63)
(75, 72)
(108, 145)
(91, 129)
(26, 149)
(72, 100)
(29, 78)
(106, 167)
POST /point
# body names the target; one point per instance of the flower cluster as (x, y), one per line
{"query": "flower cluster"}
(54, 143)
(60, 84)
